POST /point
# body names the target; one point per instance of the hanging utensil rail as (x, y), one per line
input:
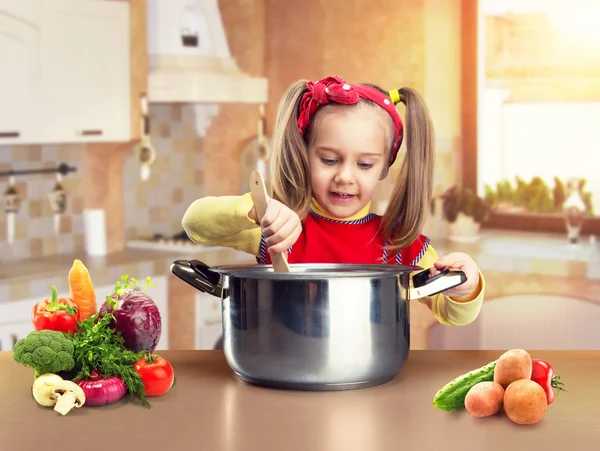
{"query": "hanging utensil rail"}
(62, 168)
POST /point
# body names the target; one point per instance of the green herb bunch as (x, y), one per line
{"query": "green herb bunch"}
(131, 283)
(98, 347)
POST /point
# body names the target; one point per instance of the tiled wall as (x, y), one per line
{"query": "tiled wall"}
(154, 206)
(34, 230)
(176, 179)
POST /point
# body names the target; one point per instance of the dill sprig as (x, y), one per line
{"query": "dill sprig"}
(99, 347)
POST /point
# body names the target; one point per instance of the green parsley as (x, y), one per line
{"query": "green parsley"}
(99, 348)
(126, 283)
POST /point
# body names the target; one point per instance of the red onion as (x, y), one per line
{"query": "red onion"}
(100, 390)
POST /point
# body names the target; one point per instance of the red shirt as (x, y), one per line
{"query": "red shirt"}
(325, 240)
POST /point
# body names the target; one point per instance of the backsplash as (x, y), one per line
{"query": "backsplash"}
(34, 229)
(176, 178)
(153, 206)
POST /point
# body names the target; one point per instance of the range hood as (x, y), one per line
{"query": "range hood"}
(189, 58)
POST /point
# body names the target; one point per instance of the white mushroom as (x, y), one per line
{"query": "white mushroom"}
(69, 395)
(43, 389)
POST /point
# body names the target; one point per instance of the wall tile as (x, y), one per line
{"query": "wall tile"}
(154, 206)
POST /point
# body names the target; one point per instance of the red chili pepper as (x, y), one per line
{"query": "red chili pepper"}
(55, 314)
(543, 374)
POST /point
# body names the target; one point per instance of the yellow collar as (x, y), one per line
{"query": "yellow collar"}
(322, 212)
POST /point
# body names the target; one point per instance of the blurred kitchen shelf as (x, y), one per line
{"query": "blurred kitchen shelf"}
(170, 245)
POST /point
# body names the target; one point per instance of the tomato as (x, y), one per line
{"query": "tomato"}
(157, 374)
(543, 374)
(55, 314)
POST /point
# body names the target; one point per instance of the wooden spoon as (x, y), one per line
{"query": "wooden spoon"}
(259, 196)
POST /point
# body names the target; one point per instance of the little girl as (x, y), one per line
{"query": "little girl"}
(333, 142)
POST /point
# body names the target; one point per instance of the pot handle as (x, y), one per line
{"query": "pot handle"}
(424, 286)
(198, 275)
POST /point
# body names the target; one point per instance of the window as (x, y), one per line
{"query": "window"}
(532, 121)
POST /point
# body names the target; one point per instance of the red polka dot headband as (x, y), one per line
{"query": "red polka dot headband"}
(335, 89)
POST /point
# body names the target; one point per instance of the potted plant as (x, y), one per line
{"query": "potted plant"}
(464, 211)
(533, 196)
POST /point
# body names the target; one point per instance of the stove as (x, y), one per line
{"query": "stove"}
(178, 242)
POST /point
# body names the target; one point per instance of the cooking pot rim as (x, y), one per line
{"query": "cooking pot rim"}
(303, 271)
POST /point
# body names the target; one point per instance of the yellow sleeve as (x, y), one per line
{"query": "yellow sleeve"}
(446, 310)
(223, 221)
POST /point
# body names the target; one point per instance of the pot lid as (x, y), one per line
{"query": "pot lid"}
(314, 271)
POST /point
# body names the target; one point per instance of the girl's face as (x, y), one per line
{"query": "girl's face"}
(348, 155)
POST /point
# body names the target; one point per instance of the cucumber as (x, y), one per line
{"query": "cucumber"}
(452, 395)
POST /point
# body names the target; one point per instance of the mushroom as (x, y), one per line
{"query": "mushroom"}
(69, 395)
(43, 389)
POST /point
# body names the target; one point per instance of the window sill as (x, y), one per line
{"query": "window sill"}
(535, 222)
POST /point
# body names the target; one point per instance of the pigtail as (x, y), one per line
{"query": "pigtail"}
(405, 215)
(289, 162)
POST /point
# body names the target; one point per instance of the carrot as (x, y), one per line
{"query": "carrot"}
(82, 290)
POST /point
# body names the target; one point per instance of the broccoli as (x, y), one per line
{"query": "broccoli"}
(46, 351)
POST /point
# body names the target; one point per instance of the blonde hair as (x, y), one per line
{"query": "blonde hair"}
(405, 215)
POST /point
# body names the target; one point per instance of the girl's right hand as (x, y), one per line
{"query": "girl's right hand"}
(280, 226)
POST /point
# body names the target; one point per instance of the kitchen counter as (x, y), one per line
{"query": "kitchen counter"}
(528, 253)
(508, 251)
(32, 278)
(210, 409)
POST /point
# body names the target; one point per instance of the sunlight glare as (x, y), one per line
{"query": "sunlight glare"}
(576, 20)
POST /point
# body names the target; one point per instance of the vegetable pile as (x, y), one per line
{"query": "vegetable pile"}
(82, 355)
(521, 386)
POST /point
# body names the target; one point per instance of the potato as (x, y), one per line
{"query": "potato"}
(484, 399)
(512, 366)
(525, 402)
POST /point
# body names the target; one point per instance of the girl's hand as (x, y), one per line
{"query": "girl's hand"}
(280, 226)
(459, 261)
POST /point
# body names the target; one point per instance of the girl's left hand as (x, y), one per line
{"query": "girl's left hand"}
(462, 262)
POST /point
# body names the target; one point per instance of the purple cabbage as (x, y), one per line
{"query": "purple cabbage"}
(136, 315)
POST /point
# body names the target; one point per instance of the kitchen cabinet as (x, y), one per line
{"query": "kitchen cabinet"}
(68, 79)
(15, 321)
(20, 24)
(208, 321)
(85, 80)
(15, 317)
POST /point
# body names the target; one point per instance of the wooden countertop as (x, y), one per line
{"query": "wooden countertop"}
(210, 409)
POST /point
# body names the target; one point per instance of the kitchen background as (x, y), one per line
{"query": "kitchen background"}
(155, 103)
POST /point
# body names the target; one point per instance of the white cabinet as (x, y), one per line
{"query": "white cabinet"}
(209, 323)
(15, 322)
(209, 317)
(15, 317)
(85, 80)
(20, 70)
(65, 73)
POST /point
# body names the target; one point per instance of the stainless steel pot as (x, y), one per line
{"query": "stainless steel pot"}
(318, 327)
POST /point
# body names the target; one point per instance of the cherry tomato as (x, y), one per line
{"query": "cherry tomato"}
(157, 374)
(543, 374)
